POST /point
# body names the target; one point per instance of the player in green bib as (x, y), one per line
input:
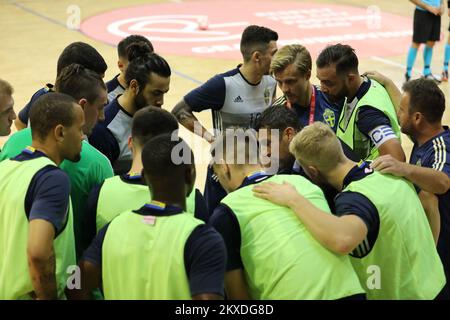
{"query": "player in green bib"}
(368, 122)
(129, 191)
(271, 255)
(36, 232)
(158, 250)
(88, 89)
(379, 219)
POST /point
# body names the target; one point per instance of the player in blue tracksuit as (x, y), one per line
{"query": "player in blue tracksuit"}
(420, 116)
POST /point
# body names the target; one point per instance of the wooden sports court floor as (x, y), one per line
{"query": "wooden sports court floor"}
(34, 32)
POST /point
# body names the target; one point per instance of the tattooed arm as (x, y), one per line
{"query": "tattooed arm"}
(41, 259)
(183, 112)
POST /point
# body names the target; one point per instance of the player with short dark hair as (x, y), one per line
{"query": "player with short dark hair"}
(256, 38)
(117, 85)
(368, 122)
(422, 95)
(127, 191)
(157, 251)
(88, 89)
(286, 124)
(77, 52)
(283, 121)
(236, 98)
(36, 228)
(420, 115)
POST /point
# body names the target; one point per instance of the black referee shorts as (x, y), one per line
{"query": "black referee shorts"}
(427, 27)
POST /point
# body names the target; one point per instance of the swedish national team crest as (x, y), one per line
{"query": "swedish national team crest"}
(329, 117)
(267, 96)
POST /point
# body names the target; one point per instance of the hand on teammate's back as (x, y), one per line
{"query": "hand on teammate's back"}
(375, 75)
(282, 194)
(388, 164)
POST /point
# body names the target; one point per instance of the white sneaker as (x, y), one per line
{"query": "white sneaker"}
(431, 76)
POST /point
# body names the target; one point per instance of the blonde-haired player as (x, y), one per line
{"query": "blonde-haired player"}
(384, 229)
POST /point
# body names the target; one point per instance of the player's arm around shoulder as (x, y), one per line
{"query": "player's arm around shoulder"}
(338, 234)
(427, 179)
(392, 90)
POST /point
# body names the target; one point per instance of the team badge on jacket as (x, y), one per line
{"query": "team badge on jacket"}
(329, 117)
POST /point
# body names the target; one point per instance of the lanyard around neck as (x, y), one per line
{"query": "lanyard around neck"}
(312, 105)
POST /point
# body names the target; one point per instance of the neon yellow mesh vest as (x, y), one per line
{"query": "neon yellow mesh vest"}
(142, 261)
(347, 131)
(281, 259)
(404, 251)
(15, 280)
(117, 196)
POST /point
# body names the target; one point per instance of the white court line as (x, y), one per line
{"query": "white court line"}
(395, 64)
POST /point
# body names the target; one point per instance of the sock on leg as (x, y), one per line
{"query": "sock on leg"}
(446, 56)
(412, 53)
(427, 55)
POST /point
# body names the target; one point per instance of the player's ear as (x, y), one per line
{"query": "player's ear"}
(82, 102)
(418, 118)
(256, 56)
(58, 133)
(290, 133)
(313, 172)
(134, 87)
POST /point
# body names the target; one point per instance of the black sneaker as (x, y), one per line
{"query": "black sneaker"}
(407, 77)
(431, 76)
